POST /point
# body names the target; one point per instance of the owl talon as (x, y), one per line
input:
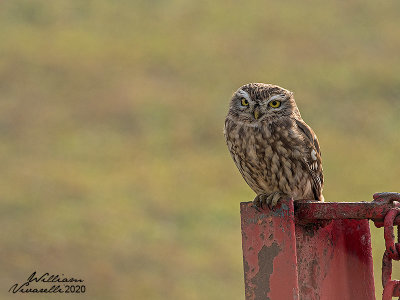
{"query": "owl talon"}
(273, 199)
(257, 203)
(256, 207)
(270, 200)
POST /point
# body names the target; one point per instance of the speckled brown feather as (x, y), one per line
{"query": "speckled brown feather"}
(277, 153)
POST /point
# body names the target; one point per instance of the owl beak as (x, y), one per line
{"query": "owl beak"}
(257, 113)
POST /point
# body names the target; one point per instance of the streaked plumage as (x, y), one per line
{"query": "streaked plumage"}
(276, 152)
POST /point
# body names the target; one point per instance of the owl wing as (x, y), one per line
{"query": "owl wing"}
(313, 159)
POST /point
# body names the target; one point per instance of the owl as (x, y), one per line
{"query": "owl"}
(276, 152)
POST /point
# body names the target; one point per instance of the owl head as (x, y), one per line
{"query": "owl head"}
(256, 103)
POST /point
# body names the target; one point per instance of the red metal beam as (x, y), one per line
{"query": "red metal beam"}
(335, 261)
(288, 255)
(312, 211)
(269, 252)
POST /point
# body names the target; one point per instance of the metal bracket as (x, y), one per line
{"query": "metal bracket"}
(314, 250)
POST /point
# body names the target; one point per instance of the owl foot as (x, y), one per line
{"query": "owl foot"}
(270, 200)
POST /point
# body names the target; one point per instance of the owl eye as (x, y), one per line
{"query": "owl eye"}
(244, 102)
(275, 103)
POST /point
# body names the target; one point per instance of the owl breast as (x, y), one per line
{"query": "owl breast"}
(270, 157)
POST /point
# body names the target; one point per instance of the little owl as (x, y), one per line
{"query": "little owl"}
(276, 152)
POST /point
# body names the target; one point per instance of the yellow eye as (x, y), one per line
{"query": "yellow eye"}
(275, 103)
(245, 102)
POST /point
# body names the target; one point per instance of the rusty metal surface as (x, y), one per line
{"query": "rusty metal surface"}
(311, 211)
(285, 259)
(335, 261)
(391, 288)
(318, 250)
(269, 252)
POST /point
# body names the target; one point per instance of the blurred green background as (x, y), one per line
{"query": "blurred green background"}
(113, 163)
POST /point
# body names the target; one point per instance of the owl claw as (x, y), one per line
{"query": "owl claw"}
(257, 204)
(256, 207)
(270, 200)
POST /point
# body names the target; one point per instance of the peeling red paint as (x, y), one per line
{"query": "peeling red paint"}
(308, 212)
(269, 245)
(335, 261)
(304, 255)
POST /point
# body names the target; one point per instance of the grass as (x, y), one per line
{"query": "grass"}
(114, 167)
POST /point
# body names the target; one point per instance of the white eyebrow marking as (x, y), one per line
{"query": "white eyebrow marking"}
(275, 97)
(314, 154)
(244, 95)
